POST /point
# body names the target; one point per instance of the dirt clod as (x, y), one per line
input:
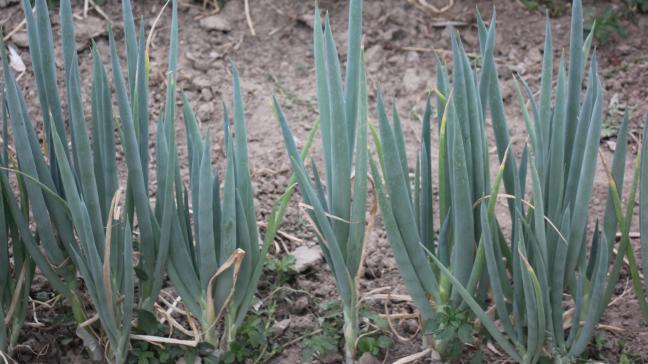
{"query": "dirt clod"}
(279, 327)
(206, 94)
(5, 3)
(303, 323)
(367, 358)
(89, 28)
(331, 358)
(216, 22)
(20, 39)
(307, 257)
(300, 306)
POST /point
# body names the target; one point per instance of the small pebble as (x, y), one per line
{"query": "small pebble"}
(367, 358)
(206, 94)
(332, 358)
(205, 110)
(20, 39)
(216, 22)
(300, 306)
(279, 327)
(307, 257)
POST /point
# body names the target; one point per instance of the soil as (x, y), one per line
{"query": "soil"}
(279, 61)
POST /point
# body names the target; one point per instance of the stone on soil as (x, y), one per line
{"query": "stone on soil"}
(332, 358)
(300, 306)
(216, 22)
(89, 28)
(206, 94)
(20, 39)
(415, 80)
(367, 358)
(306, 257)
(5, 3)
(279, 327)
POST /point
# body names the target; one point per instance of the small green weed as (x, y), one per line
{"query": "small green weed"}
(608, 24)
(374, 335)
(613, 118)
(324, 343)
(604, 350)
(252, 341)
(328, 338)
(553, 7)
(638, 5)
(143, 352)
(453, 326)
(283, 268)
(374, 345)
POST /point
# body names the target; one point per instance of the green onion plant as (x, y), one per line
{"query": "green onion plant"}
(217, 258)
(640, 290)
(53, 246)
(71, 191)
(336, 206)
(153, 218)
(544, 258)
(216, 266)
(408, 207)
(16, 266)
(546, 261)
(208, 244)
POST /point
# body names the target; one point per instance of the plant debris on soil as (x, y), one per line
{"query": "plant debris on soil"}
(297, 300)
